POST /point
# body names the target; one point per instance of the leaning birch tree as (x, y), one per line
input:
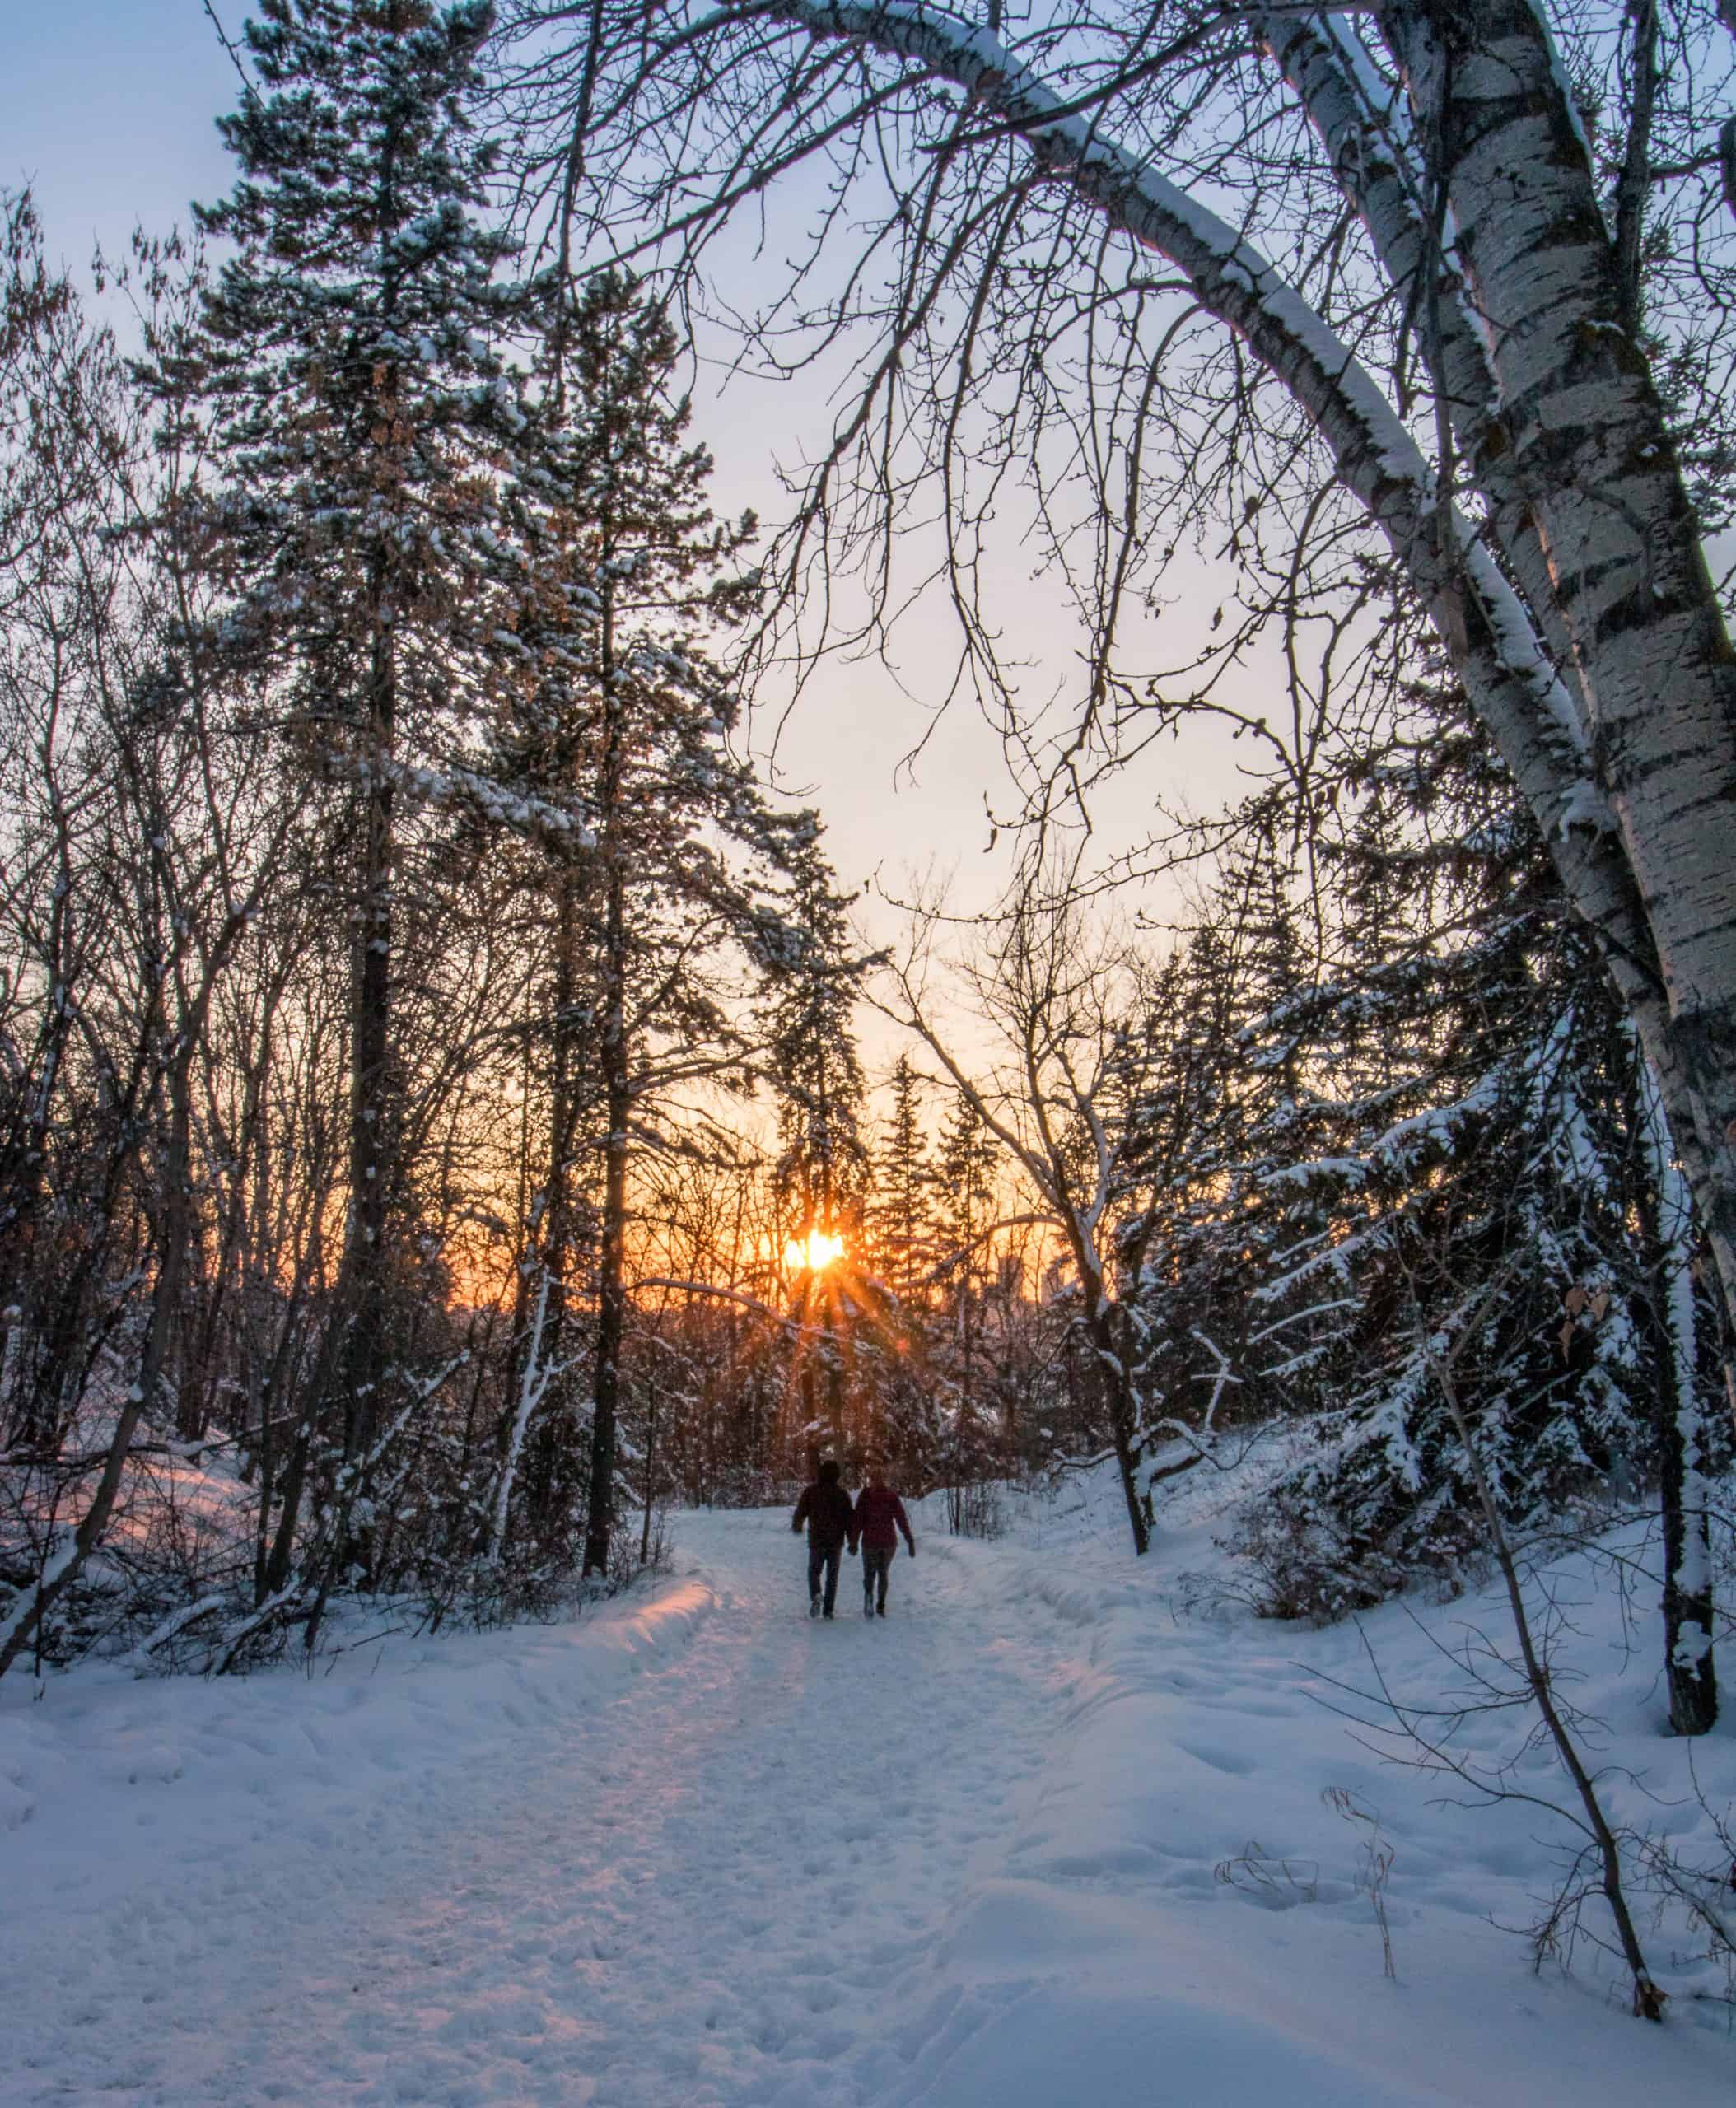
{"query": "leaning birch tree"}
(1437, 287)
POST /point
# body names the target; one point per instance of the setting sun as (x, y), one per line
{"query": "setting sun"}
(815, 1251)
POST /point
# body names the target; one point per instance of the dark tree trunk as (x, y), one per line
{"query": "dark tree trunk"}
(616, 1055)
(1689, 1663)
(550, 1466)
(373, 1126)
(1111, 1374)
(651, 1467)
(611, 1283)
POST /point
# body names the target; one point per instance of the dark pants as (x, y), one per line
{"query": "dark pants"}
(876, 1561)
(826, 1557)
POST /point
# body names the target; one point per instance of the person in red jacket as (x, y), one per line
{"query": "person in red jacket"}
(880, 1516)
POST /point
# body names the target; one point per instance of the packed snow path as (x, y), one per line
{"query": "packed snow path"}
(697, 1852)
(709, 1888)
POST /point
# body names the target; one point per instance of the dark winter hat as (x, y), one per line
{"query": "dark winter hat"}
(829, 1471)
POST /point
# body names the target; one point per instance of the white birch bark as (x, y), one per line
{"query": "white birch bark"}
(1381, 168)
(1689, 1671)
(1593, 459)
(533, 1386)
(1568, 587)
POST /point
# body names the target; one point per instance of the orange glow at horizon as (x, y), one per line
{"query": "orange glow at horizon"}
(815, 1252)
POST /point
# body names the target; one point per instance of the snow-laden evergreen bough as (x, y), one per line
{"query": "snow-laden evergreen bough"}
(1378, 1093)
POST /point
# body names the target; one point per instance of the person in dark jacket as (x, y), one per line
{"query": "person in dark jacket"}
(825, 1508)
(880, 1516)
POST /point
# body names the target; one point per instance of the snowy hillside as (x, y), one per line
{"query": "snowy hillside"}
(1062, 1830)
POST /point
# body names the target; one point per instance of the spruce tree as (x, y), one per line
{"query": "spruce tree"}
(896, 1278)
(357, 405)
(902, 1217)
(1460, 1157)
(823, 1161)
(1182, 1102)
(964, 1178)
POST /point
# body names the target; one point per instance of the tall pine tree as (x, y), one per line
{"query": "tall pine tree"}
(358, 406)
(903, 1215)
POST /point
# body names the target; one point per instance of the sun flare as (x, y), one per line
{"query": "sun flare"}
(815, 1251)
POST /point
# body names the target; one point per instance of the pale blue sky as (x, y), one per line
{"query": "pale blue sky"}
(107, 107)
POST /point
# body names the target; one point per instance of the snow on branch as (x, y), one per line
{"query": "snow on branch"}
(468, 790)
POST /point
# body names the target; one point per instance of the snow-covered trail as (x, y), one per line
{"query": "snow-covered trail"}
(695, 1851)
(716, 1886)
(712, 1893)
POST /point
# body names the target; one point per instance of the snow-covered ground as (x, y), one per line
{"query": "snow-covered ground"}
(695, 1851)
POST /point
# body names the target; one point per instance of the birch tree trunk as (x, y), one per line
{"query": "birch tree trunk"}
(1689, 1666)
(1594, 459)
